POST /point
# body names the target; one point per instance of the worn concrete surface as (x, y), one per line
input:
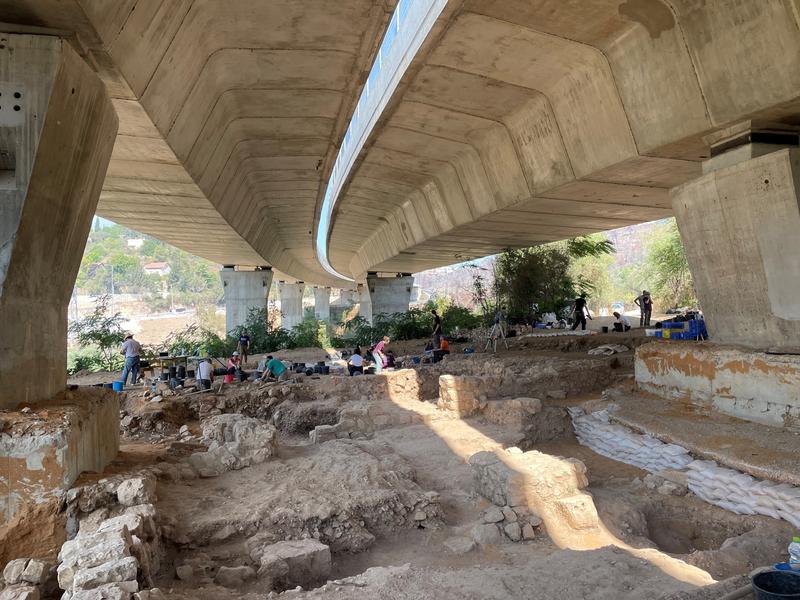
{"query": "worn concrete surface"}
(736, 381)
(389, 295)
(244, 291)
(517, 122)
(43, 452)
(766, 452)
(58, 149)
(736, 223)
(291, 295)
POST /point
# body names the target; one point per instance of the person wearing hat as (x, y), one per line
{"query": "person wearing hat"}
(645, 304)
(234, 366)
(131, 349)
(205, 374)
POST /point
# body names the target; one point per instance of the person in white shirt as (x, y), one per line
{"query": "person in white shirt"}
(205, 374)
(131, 349)
(356, 363)
(621, 323)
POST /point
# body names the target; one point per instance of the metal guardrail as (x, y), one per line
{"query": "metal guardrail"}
(411, 22)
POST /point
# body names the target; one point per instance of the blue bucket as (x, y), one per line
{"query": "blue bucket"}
(118, 386)
(416, 360)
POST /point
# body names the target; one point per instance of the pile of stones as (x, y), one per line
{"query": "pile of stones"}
(28, 579)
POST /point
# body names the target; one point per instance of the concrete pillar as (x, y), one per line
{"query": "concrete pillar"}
(389, 295)
(244, 291)
(364, 302)
(322, 303)
(739, 223)
(57, 131)
(291, 303)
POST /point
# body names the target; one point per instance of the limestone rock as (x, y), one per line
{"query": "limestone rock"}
(137, 490)
(14, 570)
(516, 412)
(20, 592)
(459, 545)
(152, 594)
(528, 532)
(492, 515)
(36, 572)
(184, 572)
(486, 534)
(233, 577)
(513, 531)
(108, 591)
(296, 562)
(509, 515)
(214, 462)
(115, 571)
(133, 523)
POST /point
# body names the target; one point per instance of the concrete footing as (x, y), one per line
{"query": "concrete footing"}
(751, 385)
(244, 291)
(43, 452)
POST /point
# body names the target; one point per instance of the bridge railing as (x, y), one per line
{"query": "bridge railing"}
(410, 24)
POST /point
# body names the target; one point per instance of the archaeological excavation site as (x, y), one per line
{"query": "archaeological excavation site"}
(306, 185)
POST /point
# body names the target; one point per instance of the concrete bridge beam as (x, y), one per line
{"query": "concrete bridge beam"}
(57, 131)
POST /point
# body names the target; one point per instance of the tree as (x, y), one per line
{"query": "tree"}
(666, 263)
(103, 332)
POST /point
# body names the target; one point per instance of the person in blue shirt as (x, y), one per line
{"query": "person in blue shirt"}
(275, 370)
(244, 345)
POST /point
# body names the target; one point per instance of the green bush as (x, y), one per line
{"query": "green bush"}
(311, 333)
(194, 339)
(102, 333)
(458, 317)
(85, 359)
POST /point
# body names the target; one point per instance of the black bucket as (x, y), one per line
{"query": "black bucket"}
(173, 372)
(605, 329)
(777, 585)
(110, 386)
(190, 373)
(309, 372)
(181, 372)
(164, 376)
(326, 370)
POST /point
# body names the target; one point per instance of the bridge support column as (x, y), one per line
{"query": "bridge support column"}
(390, 295)
(739, 223)
(57, 131)
(364, 302)
(291, 303)
(244, 291)
(322, 303)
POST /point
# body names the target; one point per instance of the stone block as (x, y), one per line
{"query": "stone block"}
(486, 534)
(516, 412)
(115, 571)
(137, 490)
(579, 511)
(12, 573)
(45, 457)
(110, 591)
(513, 531)
(461, 394)
(234, 577)
(36, 572)
(296, 562)
(459, 545)
(492, 515)
(20, 592)
(323, 433)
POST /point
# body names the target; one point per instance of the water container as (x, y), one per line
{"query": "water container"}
(794, 552)
(777, 585)
(118, 386)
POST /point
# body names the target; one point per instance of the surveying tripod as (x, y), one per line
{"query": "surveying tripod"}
(497, 331)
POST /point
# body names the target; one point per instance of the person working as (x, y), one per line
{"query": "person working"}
(244, 345)
(437, 329)
(205, 374)
(275, 370)
(645, 304)
(621, 323)
(234, 365)
(356, 363)
(131, 349)
(581, 311)
(378, 356)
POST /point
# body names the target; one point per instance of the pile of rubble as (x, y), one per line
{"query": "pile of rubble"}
(234, 442)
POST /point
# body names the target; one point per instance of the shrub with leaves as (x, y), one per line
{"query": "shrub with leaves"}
(103, 332)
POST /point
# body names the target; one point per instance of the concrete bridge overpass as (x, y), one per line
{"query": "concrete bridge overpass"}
(489, 124)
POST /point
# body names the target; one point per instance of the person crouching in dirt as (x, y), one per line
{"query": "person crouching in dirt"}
(275, 371)
(234, 366)
(378, 355)
(205, 374)
(621, 324)
(356, 363)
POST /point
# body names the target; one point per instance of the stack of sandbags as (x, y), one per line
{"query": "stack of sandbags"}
(616, 442)
(743, 494)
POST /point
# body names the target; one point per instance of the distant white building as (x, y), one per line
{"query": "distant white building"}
(157, 268)
(136, 243)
